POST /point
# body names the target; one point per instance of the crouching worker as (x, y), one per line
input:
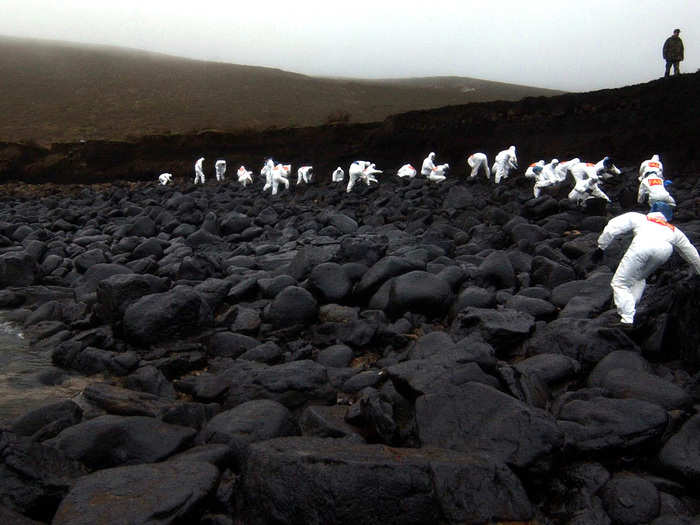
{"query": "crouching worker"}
(165, 178)
(653, 187)
(653, 243)
(244, 176)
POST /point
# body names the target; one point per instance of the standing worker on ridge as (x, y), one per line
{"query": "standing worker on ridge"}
(673, 53)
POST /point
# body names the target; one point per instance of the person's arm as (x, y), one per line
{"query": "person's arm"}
(617, 226)
(686, 250)
(682, 49)
(665, 51)
(642, 193)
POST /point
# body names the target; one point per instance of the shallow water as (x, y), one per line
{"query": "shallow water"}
(23, 372)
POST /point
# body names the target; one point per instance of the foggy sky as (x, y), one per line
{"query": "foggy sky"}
(561, 44)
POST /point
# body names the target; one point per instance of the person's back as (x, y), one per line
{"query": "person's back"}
(653, 187)
(673, 52)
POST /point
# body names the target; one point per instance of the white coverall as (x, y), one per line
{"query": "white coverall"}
(198, 173)
(244, 176)
(652, 164)
(361, 169)
(304, 174)
(563, 168)
(280, 173)
(531, 171)
(220, 168)
(428, 165)
(546, 177)
(653, 243)
(653, 187)
(338, 175)
(581, 168)
(165, 178)
(407, 171)
(266, 172)
(438, 174)
(476, 161)
(586, 186)
(505, 161)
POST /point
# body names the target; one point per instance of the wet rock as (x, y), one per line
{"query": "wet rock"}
(248, 423)
(586, 341)
(414, 378)
(152, 381)
(34, 478)
(600, 425)
(291, 306)
(168, 492)
(335, 356)
(629, 499)
(292, 384)
(480, 418)
(419, 292)
(17, 269)
(382, 271)
(269, 353)
(620, 359)
(329, 283)
(177, 313)
(503, 329)
(123, 401)
(680, 453)
(631, 384)
(411, 485)
(327, 422)
(47, 421)
(497, 271)
(109, 441)
(229, 344)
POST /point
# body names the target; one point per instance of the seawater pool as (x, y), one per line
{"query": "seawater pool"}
(28, 379)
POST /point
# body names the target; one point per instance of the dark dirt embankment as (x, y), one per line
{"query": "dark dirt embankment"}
(629, 124)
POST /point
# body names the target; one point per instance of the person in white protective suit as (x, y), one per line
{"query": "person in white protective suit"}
(198, 171)
(304, 174)
(428, 164)
(280, 173)
(266, 171)
(220, 169)
(244, 176)
(361, 170)
(165, 178)
(604, 169)
(563, 168)
(546, 177)
(652, 245)
(438, 174)
(338, 175)
(653, 188)
(504, 162)
(407, 171)
(652, 164)
(586, 186)
(532, 170)
(476, 161)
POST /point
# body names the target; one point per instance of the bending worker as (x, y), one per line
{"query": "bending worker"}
(652, 245)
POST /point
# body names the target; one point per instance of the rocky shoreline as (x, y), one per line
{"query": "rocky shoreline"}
(407, 353)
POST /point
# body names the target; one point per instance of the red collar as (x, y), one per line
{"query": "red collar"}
(661, 222)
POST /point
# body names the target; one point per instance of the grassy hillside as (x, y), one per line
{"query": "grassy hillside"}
(58, 92)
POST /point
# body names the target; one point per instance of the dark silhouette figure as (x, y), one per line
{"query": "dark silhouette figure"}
(673, 52)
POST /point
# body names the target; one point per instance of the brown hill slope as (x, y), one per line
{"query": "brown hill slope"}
(60, 92)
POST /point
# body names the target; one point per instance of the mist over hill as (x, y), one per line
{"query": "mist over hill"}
(62, 92)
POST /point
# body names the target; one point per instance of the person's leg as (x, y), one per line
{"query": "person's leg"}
(676, 68)
(668, 68)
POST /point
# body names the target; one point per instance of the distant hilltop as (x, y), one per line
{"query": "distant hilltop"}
(64, 92)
